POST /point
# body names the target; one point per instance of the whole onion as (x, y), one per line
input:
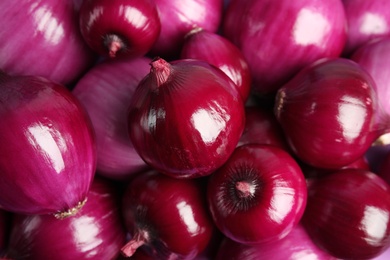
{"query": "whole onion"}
(278, 38)
(297, 245)
(48, 154)
(220, 52)
(47, 43)
(178, 17)
(185, 118)
(105, 91)
(329, 113)
(95, 232)
(348, 214)
(367, 20)
(120, 27)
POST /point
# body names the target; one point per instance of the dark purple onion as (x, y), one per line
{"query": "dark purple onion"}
(279, 38)
(42, 38)
(348, 214)
(185, 118)
(120, 27)
(105, 91)
(48, 154)
(329, 113)
(97, 231)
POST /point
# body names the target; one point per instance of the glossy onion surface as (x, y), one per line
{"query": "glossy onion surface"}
(258, 195)
(105, 91)
(328, 112)
(120, 27)
(348, 214)
(185, 118)
(48, 154)
(278, 38)
(95, 232)
(47, 43)
(167, 217)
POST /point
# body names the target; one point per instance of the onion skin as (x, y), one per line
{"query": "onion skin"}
(347, 214)
(119, 27)
(279, 38)
(179, 17)
(220, 52)
(48, 42)
(258, 195)
(48, 153)
(367, 20)
(166, 217)
(105, 91)
(329, 113)
(296, 245)
(95, 232)
(185, 118)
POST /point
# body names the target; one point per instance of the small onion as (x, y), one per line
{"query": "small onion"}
(348, 214)
(96, 232)
(185, 118)
(48, 154)
(105, 91)
(48, 42)
(119, 27)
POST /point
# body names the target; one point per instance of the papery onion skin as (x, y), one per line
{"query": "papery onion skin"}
(168, 215)
(120, 27)
(220, 52)
(348, 214)
(96, 232)
(296, 245)
(48, 153)
(105, 91)
(329, 113)
(185, 118)
(178, 17)
(367, 20)
(48, 42)
(271, 202)
(279, 38)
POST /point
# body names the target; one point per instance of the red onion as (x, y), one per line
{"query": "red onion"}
(105, 91)
(95, 232)
(185, 118)
(120, 27)
(297, 245)
(220, 52)
(258, 195)
(166, 217)
(366, 20)
(48, 155)
(329, 113)
(278, 38)
(47, 43)
(178, 17)
(348, 214)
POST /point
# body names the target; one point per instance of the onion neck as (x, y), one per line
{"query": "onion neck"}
(140, 238)
(161, 70)
(114, 44)
(245, 189)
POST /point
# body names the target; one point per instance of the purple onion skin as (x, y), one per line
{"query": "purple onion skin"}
(48, 153)
(105, 91)
(119, 27)
(279, 38)
(185, 118)
(329, 113)
(48, 42)
(367, 20)
(179, 17)
(347, 214)
(258, 195)
(297, 245)
(220, 52)
(168, 216)
(96, 232)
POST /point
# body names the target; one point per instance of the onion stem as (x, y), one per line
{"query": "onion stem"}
(139, 239)
(161, 69)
